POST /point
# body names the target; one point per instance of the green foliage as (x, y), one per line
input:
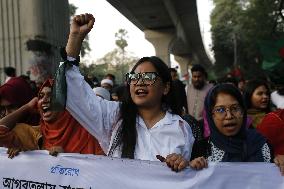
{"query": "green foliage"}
(121, 41)
(85, 49)
(111, 63)
(72, 9)
(250, 21)
(117, 62)
(94, 70)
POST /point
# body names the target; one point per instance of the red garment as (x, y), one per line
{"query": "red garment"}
(281, 52)
(68, 133)
(272, 127)
(17, 91)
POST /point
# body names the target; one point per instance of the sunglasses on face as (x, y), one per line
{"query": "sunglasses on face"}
(147, 78)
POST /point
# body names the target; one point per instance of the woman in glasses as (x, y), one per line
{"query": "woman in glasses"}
(141, 127)
(230, 140)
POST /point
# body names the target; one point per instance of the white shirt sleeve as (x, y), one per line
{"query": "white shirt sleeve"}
(189, 141)
(277, 100)
(95, 114)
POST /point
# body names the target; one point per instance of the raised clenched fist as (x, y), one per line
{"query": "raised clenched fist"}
(81, 25)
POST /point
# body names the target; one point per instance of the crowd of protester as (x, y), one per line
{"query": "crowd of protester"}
(152, 116)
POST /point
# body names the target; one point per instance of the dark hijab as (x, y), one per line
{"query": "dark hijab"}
(246, 145)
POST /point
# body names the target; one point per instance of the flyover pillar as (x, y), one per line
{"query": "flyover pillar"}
(30, 32)
(161, 41)
(184, 63)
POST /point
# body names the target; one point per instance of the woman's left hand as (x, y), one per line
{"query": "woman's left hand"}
(198, 163)
(279, 161)
(176, 162)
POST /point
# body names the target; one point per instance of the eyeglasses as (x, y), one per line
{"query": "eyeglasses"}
(220, 112)
(7, 108)
(148, 78)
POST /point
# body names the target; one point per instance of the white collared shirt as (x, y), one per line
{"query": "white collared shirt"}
(101, 118)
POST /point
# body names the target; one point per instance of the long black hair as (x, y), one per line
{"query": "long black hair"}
(250, 88)
(129, 110)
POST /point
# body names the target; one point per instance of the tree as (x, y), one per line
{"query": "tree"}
(117, 62)
(250, 22)
(72, 9)
(121, 43)
(98, 70)
(85, 49)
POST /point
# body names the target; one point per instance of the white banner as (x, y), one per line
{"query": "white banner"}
(38, 170)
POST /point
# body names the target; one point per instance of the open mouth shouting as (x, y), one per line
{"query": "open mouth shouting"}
(231, 128)
(46, 111)
(230, 125)
(141, 92)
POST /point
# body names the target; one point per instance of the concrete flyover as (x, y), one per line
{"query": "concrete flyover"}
(172, 26)
(30, 31)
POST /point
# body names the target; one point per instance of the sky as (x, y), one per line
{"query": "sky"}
(109, 21)
(204, 8)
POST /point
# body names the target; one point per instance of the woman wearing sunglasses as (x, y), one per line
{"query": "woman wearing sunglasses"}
(145, 124)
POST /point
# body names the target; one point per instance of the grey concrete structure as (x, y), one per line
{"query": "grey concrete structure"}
(172, 26)
(29, 28)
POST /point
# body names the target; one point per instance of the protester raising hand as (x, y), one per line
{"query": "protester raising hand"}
(145, 123)
(81, 25)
